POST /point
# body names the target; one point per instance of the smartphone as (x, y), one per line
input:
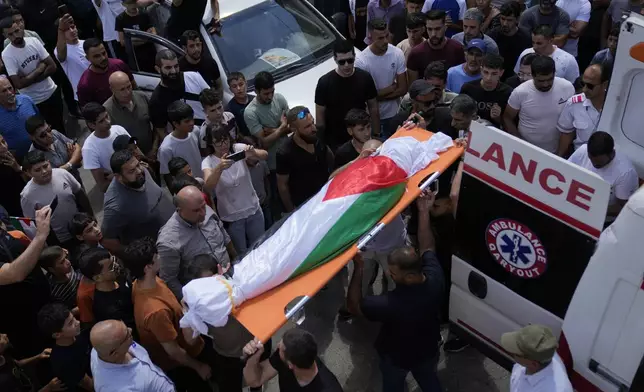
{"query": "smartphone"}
(415, 120)
(54, 204)
(62, 10)
(238, 156)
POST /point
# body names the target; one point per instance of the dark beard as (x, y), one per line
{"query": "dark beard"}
(137, 184)
(309, 139)
(172, 82)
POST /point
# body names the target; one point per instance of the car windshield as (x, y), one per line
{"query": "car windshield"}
(283, 37)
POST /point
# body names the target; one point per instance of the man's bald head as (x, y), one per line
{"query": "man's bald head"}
(191, 205)
(372, 144)
(121, 87)
(107, 337)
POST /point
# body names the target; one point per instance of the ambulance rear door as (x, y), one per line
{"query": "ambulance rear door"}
(623, 114)
(526, 225)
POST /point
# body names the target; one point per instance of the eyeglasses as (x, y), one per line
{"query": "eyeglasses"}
(114, 264)
(221, 143)
(346, 61)
(426, 103)
(589, 86)
(301, 115)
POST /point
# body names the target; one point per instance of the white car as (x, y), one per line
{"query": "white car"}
(290, 39)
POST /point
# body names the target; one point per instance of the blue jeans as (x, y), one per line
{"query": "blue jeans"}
(245, 231)
(393, 377)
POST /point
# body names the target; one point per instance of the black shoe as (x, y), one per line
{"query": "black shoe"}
(455, 345)
(344, 315)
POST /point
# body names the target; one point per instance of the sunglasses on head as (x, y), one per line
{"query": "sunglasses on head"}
(301, 115)
(346, 61)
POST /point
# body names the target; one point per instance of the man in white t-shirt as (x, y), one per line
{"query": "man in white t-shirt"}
(45, 185)
(386, 64)
(600, 157)
(538, 368)
(579, 12)
(30, 67)
(538, 103)
(107, 11)
(181, 142)
(97, 149)
(69, 51)
(566, 64)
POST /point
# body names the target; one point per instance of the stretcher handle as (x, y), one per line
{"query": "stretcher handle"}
(428, 181)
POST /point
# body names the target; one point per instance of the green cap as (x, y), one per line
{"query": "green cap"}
(534, 342)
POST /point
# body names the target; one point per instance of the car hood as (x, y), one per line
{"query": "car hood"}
(299, 90)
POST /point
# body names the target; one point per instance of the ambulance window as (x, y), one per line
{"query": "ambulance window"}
(633, 118)
(534, 255)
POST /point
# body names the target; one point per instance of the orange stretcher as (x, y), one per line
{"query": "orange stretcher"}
(264, 315)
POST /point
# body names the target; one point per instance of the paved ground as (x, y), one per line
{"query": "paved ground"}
(347, 346)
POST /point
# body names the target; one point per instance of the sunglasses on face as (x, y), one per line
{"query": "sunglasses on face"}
(589, 86)
(346, 61)
(301, 115)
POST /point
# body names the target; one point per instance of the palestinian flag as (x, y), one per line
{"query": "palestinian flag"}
(345, 209)
(25, 225)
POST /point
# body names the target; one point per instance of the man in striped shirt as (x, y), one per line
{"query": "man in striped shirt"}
(63, 280)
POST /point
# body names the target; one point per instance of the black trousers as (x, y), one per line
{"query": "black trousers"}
(52, 111)
(230, 371)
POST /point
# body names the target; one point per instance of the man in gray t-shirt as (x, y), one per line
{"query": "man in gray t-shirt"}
(547, 13)
(135, 206)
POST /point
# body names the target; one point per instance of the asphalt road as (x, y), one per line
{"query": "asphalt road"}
(346, 347)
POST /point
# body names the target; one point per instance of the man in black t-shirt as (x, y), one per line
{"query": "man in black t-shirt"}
(70, 353)
(358, 125)
(241, 99)
(195, 61)
(341, 90)
(304, 162)
(410, 333)
(491, 95)
(398, 22)
(510, 38)
(295, 362)
(113, 294)
(187, 15)
(136, 19)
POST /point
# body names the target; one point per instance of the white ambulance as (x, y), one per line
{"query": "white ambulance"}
(534, 253)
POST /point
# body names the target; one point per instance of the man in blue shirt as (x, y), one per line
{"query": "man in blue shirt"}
(470, 70)
(410, 333)
(14, 112)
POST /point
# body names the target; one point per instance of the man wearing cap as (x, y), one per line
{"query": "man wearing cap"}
(470, 70)
(538, 368)
(424, 97)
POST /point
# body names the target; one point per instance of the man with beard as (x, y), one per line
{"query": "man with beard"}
(193, 229)
(542, 44)
(580, 116)
(195, 61)
(135, 206)
(47, 185)
(341, 90)
(600, 157)
(491, 95)
(547, 13)
(538, 103)
(174, 86)
(94, 83)
(510, 39)
(423, 98)
(97, 149)
(436, 48)
(436, 75)
(30, 68)
(470, 70)
(303, 162)
(472, 22)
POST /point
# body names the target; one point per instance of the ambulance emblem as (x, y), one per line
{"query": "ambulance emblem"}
(516, 248)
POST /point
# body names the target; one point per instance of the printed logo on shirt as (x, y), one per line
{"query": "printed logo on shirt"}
(33, 57)
(65, 185)
(561, 101)
(516, 248)
(393, 65)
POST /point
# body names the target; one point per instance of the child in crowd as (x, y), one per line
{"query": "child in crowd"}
(259, 176)
(70, 353)
(86, 229)
(63, 280)
(358, 124)
(241, 99)
(181, 142)
(182, 177)
(216, 117)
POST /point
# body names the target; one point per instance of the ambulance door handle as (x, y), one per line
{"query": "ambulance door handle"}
(477, 284)
(607, 375)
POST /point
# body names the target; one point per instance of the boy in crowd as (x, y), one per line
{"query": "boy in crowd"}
(182, 142)
(241, 99)
(63, 280)
(215, 116)
(358, 124)
(86, 230)
(70, 353)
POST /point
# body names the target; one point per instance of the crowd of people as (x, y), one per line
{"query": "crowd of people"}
(95, 305)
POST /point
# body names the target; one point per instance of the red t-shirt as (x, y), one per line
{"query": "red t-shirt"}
(421, 55)
(95, 87)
